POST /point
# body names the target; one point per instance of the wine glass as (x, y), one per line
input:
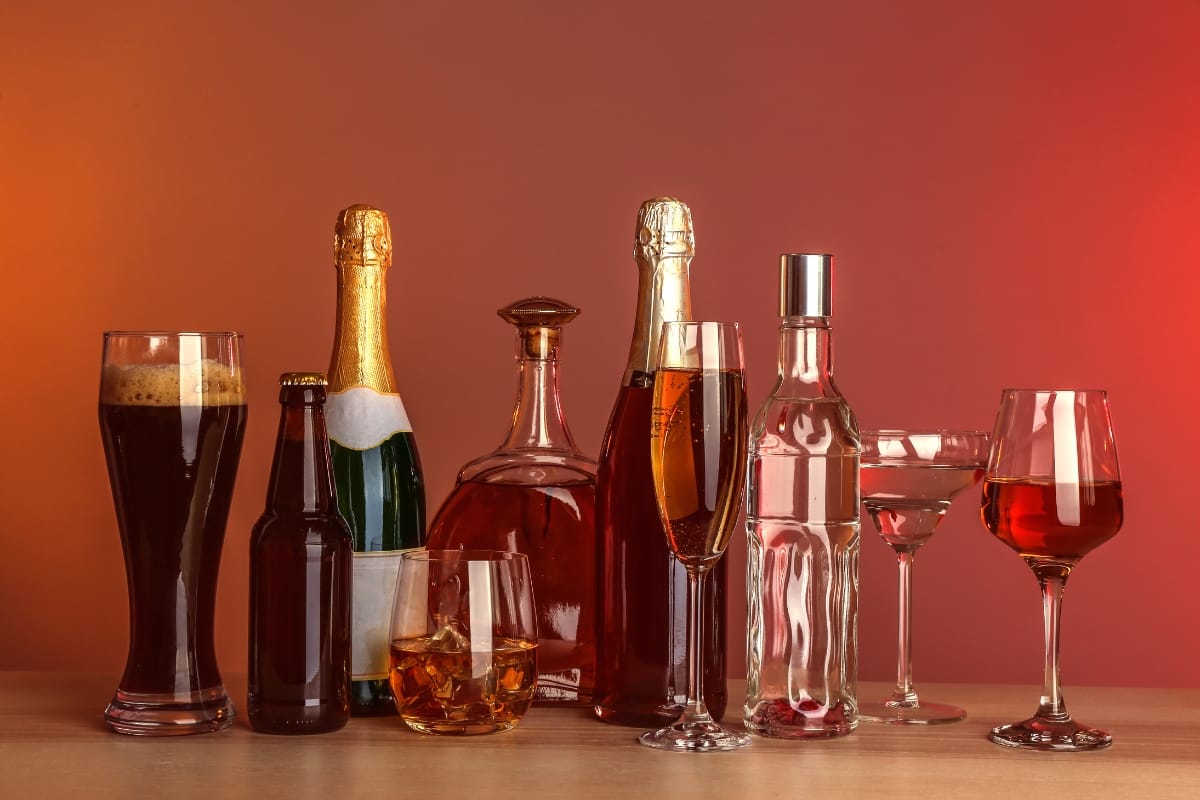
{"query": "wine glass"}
(698, 439)
(908, 479)
(1052, 492)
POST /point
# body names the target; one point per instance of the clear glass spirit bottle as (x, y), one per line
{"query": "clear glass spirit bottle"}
(536, 494)
(803, 527)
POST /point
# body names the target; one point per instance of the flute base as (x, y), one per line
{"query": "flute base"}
(1037, 733)
(915, 712)
(694, 737)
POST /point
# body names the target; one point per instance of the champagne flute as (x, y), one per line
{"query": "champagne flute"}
(698, 439)
(1052, 492)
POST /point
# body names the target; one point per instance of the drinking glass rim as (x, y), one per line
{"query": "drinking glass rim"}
(889, 432)
(1009, 391)
(491, 556)
(684, 323)
(180, 334)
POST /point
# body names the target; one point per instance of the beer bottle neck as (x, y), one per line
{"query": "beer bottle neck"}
(664, 295)
(301, 476)
(360, 348)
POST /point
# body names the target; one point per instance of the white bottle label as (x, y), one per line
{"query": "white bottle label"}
(362, 418)
(374, 592)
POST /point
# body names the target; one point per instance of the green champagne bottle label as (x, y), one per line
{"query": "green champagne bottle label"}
(362, 418)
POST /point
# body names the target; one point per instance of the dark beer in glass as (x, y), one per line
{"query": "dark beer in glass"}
(172, 414)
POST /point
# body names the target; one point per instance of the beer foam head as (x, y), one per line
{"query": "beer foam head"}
(200, 383)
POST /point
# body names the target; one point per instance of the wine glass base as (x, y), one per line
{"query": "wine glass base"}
(694, 737)
(894, 712)
(142, 714)
(1042, 734)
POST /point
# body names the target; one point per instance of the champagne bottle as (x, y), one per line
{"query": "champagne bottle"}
(380, 489)
(300, 562)
(641, 667)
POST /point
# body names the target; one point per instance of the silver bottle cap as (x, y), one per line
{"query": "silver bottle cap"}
(805, 285)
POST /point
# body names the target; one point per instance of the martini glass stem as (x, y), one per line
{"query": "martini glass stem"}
(695, 711)
(1053, 579)
(904, 685)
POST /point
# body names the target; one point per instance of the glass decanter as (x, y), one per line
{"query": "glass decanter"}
(536, 494)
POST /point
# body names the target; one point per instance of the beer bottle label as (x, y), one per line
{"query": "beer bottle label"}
(362, 418)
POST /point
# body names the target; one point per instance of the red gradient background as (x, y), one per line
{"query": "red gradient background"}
(1012, 191)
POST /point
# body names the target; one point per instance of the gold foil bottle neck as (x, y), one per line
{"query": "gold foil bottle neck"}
(664, 230)
(539, 322)
(663, 246)
(362, 249)
(303, 379)
(363, 237)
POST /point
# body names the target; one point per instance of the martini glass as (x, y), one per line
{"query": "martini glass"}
(908, 479)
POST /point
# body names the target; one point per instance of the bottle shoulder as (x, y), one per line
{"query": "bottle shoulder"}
(530, 468)
(789, 425)
(309, 527)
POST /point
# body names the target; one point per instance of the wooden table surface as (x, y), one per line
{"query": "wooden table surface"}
(53, 743)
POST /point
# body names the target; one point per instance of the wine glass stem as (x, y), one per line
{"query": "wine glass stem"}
(695, 710)
(904, 688)
(1053, 582)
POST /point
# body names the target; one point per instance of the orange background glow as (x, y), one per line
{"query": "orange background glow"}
(1012, 191)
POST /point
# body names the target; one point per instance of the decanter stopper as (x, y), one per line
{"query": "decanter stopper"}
(538, 321)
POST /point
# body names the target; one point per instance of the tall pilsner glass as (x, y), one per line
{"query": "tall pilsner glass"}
(172, 413)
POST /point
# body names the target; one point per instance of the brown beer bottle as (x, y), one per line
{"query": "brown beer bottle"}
(300, 561)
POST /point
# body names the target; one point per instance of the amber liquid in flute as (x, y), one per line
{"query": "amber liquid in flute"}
(1054, 521)
(700, 461)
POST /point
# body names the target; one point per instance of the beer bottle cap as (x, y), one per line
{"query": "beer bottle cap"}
(362, 237)
(805, 285)
(303, 379)
(538, 320)
(664, 230)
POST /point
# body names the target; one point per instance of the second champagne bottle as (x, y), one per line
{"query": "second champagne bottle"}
(641, 666)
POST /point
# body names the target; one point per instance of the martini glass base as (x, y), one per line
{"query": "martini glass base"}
(895, 712)
(1043, 734)
(694, 737)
